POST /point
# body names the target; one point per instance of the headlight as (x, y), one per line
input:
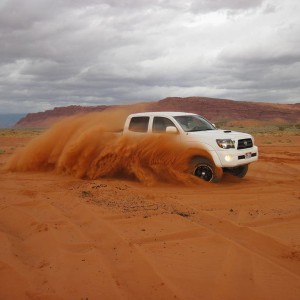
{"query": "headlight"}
(225, 143)
(228, 158)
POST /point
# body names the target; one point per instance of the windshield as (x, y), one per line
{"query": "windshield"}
(193, 123)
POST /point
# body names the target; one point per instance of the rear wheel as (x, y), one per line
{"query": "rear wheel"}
(206, 170)
(239, 171)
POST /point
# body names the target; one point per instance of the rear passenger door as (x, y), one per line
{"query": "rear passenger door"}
(139, 125)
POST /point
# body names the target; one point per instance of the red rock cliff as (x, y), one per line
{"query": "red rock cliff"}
(215, 110)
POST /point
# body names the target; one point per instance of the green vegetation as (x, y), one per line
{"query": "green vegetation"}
(21, 132)
(262, 129)
(2, 151)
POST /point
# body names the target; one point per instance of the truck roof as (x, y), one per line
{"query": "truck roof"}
(162, 113)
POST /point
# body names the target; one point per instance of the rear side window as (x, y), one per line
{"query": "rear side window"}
(160, 124)
(139, 124)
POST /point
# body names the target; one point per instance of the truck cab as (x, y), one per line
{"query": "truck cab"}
(229, 151)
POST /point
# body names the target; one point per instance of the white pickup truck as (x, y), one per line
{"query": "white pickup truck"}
(230, 151)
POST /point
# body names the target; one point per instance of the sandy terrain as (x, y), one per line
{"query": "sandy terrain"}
(68, 238)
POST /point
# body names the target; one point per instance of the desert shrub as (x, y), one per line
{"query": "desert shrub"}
(86, 194)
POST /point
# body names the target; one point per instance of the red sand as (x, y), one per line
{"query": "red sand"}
(68, 238)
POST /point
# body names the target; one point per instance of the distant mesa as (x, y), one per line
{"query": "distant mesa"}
(48, 117)
(216, 110)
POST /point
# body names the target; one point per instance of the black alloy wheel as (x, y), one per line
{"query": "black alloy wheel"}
(204, 172)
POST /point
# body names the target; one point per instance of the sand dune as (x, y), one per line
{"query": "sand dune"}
(68, 238)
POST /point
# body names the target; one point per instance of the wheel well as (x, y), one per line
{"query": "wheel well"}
(196, 158)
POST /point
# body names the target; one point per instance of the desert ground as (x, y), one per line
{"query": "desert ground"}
(63, 237)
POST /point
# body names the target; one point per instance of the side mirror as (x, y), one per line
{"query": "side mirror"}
(171, 129)
(213, 124)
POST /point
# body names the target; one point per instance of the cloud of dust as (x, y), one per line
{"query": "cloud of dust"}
(88, 146)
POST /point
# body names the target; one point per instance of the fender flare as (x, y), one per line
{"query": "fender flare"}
(212, 152)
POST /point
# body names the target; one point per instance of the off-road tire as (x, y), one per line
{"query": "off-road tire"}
(205, 169)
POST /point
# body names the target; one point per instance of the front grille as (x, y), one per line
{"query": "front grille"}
(245, 143)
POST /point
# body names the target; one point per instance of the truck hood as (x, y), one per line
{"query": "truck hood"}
(219, 134)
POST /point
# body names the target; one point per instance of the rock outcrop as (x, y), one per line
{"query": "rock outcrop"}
(216, 110)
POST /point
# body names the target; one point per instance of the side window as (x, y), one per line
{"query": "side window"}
(160, 124)
(139, 124)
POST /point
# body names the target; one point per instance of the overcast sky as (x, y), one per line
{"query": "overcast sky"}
(65, 52)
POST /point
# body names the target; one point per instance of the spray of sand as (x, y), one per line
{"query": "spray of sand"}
(88, 146)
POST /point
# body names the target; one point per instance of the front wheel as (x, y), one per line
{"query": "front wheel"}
(206, 170)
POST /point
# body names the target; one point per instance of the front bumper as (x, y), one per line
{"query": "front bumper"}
(232, 157)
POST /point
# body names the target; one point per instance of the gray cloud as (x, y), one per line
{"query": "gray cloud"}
(64, 52)
(228, 5)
